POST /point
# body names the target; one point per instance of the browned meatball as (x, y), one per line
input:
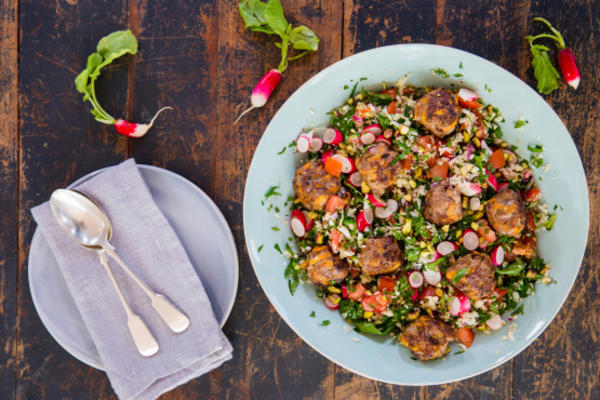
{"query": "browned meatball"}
(380, 256)
(323, 267)
(478, 280)
(376, 168)
(442, 204)
(313, 185)
(438, 111)
(427, 338)
(506, 213)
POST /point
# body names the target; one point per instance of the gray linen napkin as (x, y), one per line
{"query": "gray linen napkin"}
(149, 246)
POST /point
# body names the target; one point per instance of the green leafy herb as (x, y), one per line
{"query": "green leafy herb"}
(457, 75)
(260, 248)
(108, 49)
(512, 269)
(273, 191)
(460, 65)
(276, 247)
(518, 311)
(291, 274)
(549, 224)
(269, 18)
(460, 274)
(520, 123)
(275, 229)
(457, 352)
(282, 151)
(536, 160)
(312, 314)
(325, 323)
(441, 72)
(535, 148)
(544, 71)
(367, 327)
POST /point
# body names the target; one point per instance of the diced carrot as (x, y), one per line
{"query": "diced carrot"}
(386, 283)
(465, 336)
(334, 203)
(358, 292)
(533, 194)
(392, 108)
(487, 233)
(497, 159)
(333, 166)
(438, 168)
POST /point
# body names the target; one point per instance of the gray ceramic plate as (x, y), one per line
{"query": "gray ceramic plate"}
(199, 225)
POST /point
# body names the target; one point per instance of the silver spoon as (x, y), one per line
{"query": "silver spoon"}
(84, 220)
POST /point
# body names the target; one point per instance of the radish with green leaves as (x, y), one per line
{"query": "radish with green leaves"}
(108, 49)
(269, 18)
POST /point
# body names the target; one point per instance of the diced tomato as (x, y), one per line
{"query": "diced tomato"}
(386, 283)
(390, 92)
(333, 166)
(465, 336)
(471, 104)
(447, 151)
(376, 302)
(335, 237)
(427, 141)
(334, 203)
(500, 292)
(497, 160)
(438, 168)
(358, 293)
(427, 291)
(487, 233)
(533, 194)
(530, 222)
(391, 109)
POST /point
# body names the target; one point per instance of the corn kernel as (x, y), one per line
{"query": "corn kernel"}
(412, 183)
(312, 215)
(477, 142)
(404, 129)
(296, 200)
(407, 197)
(474, 226)
(478, 215)
(458, 233)
(467, 136)
(413, 315)
(350, 101)
(365, 188)
(368, 314)
(319, 239)
(333, 289)
(407, 228)
(422, 244)
(524, 165)
(343, 153)
(334, 298)
(547, 280)
(531, 274)
(446, 228)
(504, 145)
(480, 207)
(490, 109)
(418, 172)
(360, 96)
(439, 292)
(464, 202)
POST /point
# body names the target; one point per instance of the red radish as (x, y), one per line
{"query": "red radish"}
(566, 60)
(469, 188)
(492, 181)
(330, 302)
(446, 247)
(468, 98)
(428, 256)
(459, 304)
(415, 279)
(344, 292)
(347, 163)
(367, 138)
(358, 121)
(495, 322)
(315, 144)
(298, 223)
(303, 143)
(470, 239)
(374, 129)
(364, 219)
(427, 291)
(382, 138)
(390, 208)
(355, 179)
(497, 256)
(502, 186)
(377, 202)
(432, 275)
(415, 294)
(326, 155)
(132, 129)
(262, 91)
(332, 136)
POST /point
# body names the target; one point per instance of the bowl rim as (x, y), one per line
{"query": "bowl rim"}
(347, 60)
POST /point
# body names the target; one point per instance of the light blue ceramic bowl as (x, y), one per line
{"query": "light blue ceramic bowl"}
(563, 184)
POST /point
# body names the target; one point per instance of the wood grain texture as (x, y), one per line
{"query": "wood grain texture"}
(9, 41)
(197, 57)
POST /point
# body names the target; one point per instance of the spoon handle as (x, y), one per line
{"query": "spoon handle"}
(175, 319)
(141, 335)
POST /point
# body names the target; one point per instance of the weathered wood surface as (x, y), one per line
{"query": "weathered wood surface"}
(196, 56)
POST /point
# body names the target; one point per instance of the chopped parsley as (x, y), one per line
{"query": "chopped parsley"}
(260, 248)
(457, 75)
(275, 229)
(312, 314)
(460, 274)
(441, 72)
(273, 191)
(460, 65)
(520, 123)
(325, 323)
(535, 148)
(282, 151)
(276, 247)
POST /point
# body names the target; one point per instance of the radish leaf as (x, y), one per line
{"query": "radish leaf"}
(253, 14)
(275, 18)
(302, 38)
(545, 73)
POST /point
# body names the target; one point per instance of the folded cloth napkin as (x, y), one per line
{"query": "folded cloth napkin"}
(149, 246)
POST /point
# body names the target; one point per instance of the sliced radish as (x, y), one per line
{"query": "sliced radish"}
(446, 247)
(364, 219)
(332, 136)
(495, 322)
(332, 305)
(497, 256)
(454, 306)
(432, 275)
(298, 223)
(474, 203)
(367, 138)
(377, 202)
(347, 163)
(502, 186)
(385, 212)
(355, 179)
(467, 94)
(427, 257)
(374, 129)
(326, 155)
(303, 143)
(469, 188)
(492, 181)
(415, 279)
(382, 138)
(470, 239)
(459, 304)
(315, 144)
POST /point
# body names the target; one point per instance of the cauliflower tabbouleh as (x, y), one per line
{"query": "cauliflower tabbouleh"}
(415, 219)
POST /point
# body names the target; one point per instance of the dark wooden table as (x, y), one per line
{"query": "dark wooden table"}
(196, 56)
